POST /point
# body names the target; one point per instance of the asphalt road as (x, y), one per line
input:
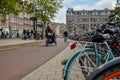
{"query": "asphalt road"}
(16, 63)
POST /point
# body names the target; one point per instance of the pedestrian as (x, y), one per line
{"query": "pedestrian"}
(24, 34)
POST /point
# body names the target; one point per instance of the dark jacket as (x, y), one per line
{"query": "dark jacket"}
(65, 33)
(48, 31)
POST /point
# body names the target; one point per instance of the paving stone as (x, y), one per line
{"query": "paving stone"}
(51, 70)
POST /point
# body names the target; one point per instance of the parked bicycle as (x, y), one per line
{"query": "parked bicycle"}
(107, 71)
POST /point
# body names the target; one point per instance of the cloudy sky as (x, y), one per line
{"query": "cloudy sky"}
(82, 4)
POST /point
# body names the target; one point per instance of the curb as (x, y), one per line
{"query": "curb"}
(14, 46)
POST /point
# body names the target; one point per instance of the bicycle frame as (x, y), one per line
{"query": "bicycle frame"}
(78, 52)
(68, 61)
(109, 55)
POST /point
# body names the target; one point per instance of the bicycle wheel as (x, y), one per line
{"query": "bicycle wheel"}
(90, 62)
(110, 71)
(81, 65)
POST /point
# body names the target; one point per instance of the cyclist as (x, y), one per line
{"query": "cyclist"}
(48, 31)
(65, 34)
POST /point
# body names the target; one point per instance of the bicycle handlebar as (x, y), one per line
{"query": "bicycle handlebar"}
(110, 22)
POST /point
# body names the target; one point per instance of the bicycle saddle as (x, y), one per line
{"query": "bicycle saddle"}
(109, 31)
(98, 38)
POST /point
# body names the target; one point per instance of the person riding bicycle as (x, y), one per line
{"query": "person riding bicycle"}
(65, 34)
(48, 31)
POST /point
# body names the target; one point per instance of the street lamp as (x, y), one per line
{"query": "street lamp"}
(89, 23)
(43, 12)
(75, 30)
(34, 18)
(10, 36)
(23, 4)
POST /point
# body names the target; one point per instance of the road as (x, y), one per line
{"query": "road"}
(16, 63)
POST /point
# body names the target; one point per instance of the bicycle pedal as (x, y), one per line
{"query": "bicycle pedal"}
(64, 62)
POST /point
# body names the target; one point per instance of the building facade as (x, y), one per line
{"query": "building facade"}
(85, 20)
(15, 24)
(59, 28)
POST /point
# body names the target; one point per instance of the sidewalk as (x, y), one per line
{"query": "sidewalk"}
(6, 44)
(51, 70)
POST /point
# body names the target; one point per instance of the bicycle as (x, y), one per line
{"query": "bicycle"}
(107, 71)
(86, 60)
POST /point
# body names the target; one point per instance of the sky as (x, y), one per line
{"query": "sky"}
(82, 4)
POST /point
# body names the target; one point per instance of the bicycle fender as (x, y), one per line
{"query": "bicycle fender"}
(101, 68)
(70, 58)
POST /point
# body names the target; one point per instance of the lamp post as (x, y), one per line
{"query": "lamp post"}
(75, 30)
(9, 27)
(43, 12)
(22, 3)
(42, 31)
(34, 18)
(35, 21)
(89, 23)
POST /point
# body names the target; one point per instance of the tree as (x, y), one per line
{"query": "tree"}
(115, 18)
(9, 7)
(46, 9)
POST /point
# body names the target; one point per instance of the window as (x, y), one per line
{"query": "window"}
(75, 19)
(84, 19)
(69, 19)
(80, 19)
(83, 25)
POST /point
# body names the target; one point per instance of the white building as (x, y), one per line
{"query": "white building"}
(16, 24)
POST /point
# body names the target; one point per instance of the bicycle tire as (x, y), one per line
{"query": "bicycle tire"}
(80, 57)
(107, 71)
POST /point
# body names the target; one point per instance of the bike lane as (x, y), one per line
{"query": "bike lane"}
(16, 63)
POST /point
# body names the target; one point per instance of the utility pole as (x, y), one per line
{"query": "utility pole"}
(89, 23)
(9, 27)
(75, 30)
(34, 19)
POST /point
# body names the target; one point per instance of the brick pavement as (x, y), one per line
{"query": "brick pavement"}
(51, 70)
